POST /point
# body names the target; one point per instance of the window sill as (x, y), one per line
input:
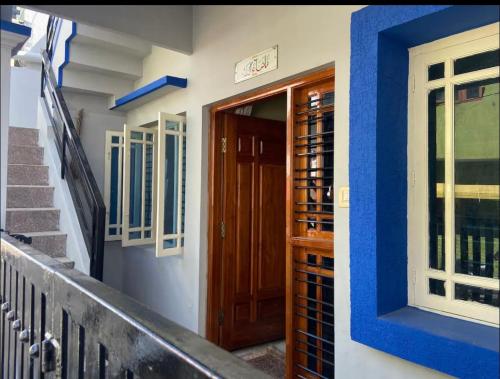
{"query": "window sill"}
(453, 346)
(457, 330)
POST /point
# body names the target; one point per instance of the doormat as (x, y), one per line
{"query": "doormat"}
(271, 361)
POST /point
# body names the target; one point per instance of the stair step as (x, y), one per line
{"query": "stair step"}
(25, 154)
(27, 196)
(111, 41)
(66, 261)
(32, 219)
(22, 174)
(52, 243)
(23, 136)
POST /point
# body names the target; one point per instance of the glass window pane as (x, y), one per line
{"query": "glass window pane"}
(477, 178)
(476, 62)
(113, 195)
(135, 205)
(149, 137)
(112, 231)
(436, 178)
(436, 287)
(476, 294)
(172, 125)
(328, 98)
(134, 235)
(171, 184)
(436, 71)
(136, 135)
(115, 139)
(148, 191)
(168, 244)
(147, 234)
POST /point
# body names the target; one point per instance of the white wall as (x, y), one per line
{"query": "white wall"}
(95, 121)
(24, 93)
(4, 126)
(308, 37)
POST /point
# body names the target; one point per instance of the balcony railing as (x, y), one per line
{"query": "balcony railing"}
(58, 323)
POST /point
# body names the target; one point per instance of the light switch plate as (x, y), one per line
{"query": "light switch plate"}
(344, 197)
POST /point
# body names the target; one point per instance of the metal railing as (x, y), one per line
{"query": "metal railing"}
(75, 168)
(58, 323)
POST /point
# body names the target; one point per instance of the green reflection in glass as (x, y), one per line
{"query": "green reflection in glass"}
(477, 178)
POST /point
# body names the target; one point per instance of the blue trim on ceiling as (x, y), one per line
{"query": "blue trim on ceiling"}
(149, 89)
(15, 28)
(380, 317)
(67, 45)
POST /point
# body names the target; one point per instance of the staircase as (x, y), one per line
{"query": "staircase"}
(99, 61)
(30, 199)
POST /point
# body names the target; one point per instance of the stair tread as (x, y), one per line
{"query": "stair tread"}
(23, 128)
(43, 234)
(32, 209)
(23, 145)
(29, 186)
(27, 164)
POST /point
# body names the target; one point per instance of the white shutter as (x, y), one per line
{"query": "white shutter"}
(171, 179)
(139, 184)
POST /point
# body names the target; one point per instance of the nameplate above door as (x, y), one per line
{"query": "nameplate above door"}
(256, 64)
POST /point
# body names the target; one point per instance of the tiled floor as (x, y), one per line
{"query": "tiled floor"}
(269, 357)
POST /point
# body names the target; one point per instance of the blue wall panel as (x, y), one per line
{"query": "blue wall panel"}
(380, 318)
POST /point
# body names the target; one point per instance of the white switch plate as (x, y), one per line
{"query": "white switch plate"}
(344, 197)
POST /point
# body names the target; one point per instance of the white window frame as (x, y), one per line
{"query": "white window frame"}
(181, 133)
(126, 241)
(444, 50)
(107, 182)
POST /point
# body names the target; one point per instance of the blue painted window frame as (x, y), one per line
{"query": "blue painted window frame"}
(380, 315)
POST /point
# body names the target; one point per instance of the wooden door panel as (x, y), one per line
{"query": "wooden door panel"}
(243, 232)
(271, 228)
(254, 186)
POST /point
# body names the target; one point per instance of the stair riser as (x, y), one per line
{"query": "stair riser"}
(30, 197)
(32, 221)
(55, 246)
(25, 155)
(28, 175)
(23, 136)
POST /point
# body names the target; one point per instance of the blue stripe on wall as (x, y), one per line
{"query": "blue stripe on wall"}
(67, 45)
(15, 28)
(150, 88)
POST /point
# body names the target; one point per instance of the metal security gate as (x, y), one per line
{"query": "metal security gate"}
(59, 323)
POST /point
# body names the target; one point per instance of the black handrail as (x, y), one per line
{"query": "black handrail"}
(71, 319)
(75, 168)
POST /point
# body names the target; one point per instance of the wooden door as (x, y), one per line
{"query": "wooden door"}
(254, 236)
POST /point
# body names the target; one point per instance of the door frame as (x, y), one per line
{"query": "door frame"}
(214, 263)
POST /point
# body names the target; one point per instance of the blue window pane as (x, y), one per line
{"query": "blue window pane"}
(112, 231)
(115, 139)
(135, 185)
(147, 234)
(113, 201)
(148, 192)
(168, 244)
(171, 184)
(134, 235)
